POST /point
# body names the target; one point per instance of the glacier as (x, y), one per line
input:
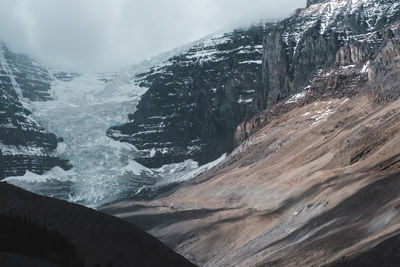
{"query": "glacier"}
(80, 111)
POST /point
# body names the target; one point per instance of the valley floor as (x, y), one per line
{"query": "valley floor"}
(317, 185)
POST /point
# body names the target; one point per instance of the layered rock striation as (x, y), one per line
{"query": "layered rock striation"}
(195, 100)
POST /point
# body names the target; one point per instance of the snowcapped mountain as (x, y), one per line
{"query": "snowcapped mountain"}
(183, 106)
(195, 100)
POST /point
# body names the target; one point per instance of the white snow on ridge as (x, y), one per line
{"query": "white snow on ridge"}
(326, 13)
(251, 62)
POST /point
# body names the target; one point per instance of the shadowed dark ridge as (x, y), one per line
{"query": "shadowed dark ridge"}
(97, 238)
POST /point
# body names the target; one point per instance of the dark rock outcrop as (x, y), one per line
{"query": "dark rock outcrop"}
(24, 143)
(195, 100)
(96, 238)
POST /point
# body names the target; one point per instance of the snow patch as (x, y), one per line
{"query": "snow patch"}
(365, 68)
(251, 62)
(322, 115)
(185, 175)
(296, 97)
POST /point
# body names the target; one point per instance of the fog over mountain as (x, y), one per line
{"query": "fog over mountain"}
(104, 35)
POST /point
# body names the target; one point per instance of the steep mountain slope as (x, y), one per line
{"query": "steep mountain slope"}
(315, 184)
(24, 144)
(314, 179)
(195, 100)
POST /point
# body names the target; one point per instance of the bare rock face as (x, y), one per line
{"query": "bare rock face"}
(195, 100)
(384, 70)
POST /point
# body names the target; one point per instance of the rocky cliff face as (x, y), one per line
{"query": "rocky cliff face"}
(25, 145)
(371, 62)
(195, 100)
(298, 47)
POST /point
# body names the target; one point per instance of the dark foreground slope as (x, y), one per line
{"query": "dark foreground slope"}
(73, 235)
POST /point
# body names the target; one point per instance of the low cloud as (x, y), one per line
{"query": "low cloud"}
(101, 35)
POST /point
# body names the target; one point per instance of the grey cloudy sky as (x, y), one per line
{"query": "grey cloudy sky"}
(108, 34)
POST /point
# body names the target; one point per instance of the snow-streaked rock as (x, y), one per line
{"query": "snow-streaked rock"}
(195, 100)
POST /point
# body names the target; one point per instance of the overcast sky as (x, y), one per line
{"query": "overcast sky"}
(105, 35)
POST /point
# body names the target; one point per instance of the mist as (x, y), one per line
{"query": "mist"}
(103, 35)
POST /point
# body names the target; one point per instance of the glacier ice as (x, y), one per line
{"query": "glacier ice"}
(81, 112)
